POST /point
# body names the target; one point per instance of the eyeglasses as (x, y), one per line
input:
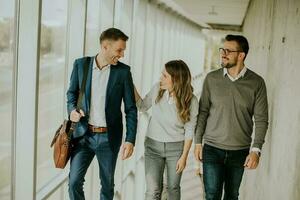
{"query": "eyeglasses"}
(226, 51)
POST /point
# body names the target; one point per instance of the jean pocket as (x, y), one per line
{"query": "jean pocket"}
(237, 158)
(152, 147)
(78, 142)
(149, 142)
(175, 146)
(212, 155)
(102, 138)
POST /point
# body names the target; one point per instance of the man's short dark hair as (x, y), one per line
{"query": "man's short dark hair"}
(113, 34)
(241, 40)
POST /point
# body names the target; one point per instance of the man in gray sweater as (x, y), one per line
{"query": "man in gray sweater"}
(231, 97)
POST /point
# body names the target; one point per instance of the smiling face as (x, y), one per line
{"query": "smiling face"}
(114, 50)
(230, 54)
(166, 82)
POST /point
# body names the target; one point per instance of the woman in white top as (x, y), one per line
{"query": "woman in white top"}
(171, 129)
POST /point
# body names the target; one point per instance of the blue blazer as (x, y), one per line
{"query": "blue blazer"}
(120, 86)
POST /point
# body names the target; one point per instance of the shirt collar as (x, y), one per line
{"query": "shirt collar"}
(241, 74)
(95, 67)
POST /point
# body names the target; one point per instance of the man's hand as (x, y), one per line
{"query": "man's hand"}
(198, 152)
(127, 150)
(75, 116)
(181, 163)
(252, 161)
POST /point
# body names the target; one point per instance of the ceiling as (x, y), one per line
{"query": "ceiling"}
(215, 14)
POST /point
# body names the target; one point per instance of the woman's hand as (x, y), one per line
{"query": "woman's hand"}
(136, 94)
(181, 163)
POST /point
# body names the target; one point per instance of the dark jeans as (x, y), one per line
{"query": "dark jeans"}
(222, 168)
(83, 153)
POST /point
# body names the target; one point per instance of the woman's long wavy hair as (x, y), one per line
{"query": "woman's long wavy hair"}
(182, 88)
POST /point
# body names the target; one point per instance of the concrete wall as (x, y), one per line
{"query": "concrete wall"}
(273, 30)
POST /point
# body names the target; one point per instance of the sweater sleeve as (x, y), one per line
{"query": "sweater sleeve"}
(260, 115)
(190, 126)
(144, 104)
(204, 107)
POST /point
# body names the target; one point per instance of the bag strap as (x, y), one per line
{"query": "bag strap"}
(82, 89)
(81, 92)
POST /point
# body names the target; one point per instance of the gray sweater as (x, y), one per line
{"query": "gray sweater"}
(165, 124)
(226, 111)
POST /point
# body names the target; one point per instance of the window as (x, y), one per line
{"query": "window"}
(92, 28)
(7, 41)
(99, 18)
(51, 94)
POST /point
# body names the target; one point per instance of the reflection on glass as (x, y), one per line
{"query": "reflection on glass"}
(92, 28)
(60, 194)
(7, 29)
(99, 17)
(51, 84)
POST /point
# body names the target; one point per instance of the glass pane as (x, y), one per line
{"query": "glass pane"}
(61, 193)
(7, 22)
(92, 28)
(51, 102)
(126, 13)
(99, 18)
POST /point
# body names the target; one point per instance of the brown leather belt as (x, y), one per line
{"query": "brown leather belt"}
(96, 129)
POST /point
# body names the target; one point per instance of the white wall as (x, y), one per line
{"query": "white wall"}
(156, 36)
(273, 30)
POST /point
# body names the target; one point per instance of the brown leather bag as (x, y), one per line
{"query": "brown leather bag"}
(62, 138)
(62, 144)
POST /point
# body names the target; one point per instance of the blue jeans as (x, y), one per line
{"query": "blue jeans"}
(222, 168)
(82, 155)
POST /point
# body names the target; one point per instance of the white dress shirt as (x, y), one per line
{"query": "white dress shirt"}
(98, 95)
(240, 75)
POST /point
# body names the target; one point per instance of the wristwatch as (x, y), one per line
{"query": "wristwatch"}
(257, 153)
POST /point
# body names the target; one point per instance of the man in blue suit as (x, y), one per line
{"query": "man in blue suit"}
(99, 128)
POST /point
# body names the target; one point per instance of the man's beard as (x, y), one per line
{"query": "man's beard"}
(228, 65)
